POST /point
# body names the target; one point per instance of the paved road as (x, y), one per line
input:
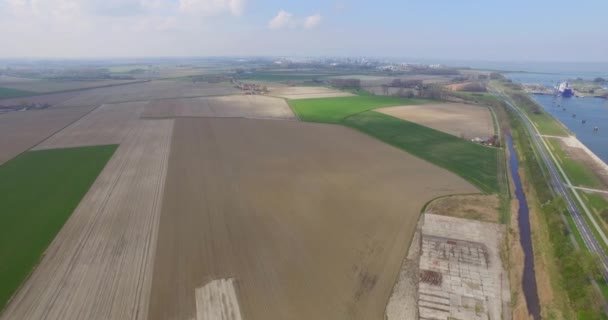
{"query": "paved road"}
(588, 189)
(561, 188)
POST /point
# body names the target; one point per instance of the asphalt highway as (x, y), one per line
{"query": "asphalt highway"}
(561, 187)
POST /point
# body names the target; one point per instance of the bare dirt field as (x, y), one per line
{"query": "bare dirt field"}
(51, 98)
(461, 272)
(99, 265)
(108, 124)
(474, 206)
(306, 92)
(458, 119)
(153, 90)
(243, 106)
(458, 86)
(472, 86)
(311, 221)
(43, 86)
(22, 130)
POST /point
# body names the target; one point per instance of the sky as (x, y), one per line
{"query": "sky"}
(491, 30)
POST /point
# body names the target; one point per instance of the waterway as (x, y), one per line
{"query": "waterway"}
(593, 110)
(572, 112)
(523, 220)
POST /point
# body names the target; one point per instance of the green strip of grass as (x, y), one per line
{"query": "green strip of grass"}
(544, 121)
(597, 203)
(39, 190)
(334, 110)
(546, 124)
(476, 163)
(577, 235)
(603, 286)
(578, 173)
(14, 93)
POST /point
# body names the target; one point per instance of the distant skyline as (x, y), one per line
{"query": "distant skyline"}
(469, 30)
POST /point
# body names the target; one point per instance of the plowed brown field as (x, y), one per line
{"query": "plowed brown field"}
(20, 131)
(307, 92)
(242, 106)
(100, 264)
(458, 119)
(312, 221)
(153, 90)
(108, 124)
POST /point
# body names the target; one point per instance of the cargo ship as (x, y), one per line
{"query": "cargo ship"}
(564, 90)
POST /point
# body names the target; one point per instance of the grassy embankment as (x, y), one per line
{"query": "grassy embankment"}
(544, 121)
(14, 93)
(568, 268)
(38, 192)
(581, 175)
(476, 163)
(578, 173)
(571, 293)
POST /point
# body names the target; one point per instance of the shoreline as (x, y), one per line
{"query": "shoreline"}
(542, 93)
(573, 142)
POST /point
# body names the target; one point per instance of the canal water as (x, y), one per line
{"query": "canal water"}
(593, 110)
(525, 238)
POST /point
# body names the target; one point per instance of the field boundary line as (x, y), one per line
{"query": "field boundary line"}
(37, 94)
(413, 155)
(175, 98)
(69, 124)
(52, 134)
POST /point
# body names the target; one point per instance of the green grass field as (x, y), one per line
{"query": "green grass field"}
(14, 93)
(546, 124)
(39, 190)
(578, 173)
(473, 162)
(544, 121)
(334, 110)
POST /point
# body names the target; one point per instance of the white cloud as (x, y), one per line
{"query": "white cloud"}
(212, 7)
(237, 7)
(284, 19)
(312, 21)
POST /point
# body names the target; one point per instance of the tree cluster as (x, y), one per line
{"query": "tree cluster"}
(346, 83)
(399, 83)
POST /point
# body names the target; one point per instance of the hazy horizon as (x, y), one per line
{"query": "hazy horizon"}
(553, 31)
